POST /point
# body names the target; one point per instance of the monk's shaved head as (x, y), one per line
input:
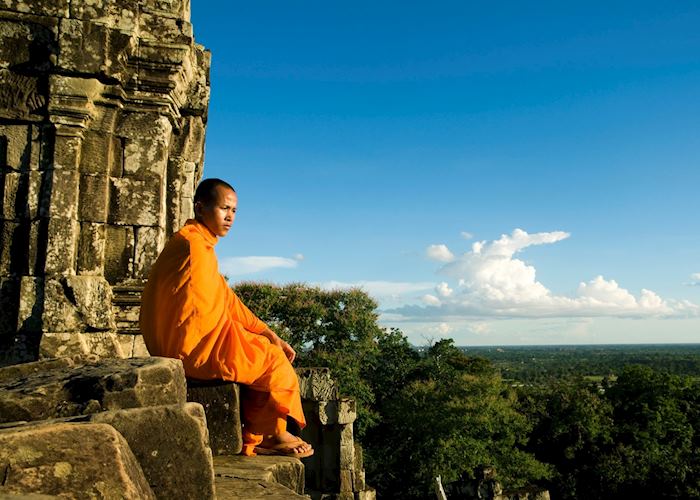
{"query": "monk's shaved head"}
(206, 192)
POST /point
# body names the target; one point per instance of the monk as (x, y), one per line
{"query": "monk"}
(189, 312)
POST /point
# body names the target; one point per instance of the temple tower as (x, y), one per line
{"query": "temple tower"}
(103, 109)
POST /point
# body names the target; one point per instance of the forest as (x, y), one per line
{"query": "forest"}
(599, 422)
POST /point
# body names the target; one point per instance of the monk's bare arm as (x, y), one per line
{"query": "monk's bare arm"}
(276, 340)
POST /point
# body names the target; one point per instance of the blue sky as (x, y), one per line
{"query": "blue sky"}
(494, 172)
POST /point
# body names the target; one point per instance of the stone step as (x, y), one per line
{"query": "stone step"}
(221, 402)
(238, 477)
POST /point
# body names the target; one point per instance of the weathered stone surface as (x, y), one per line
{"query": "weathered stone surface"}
(31, 298)
(58, 8)
(149, 242)
(233, 488)
(119, 254)
(10, 232)
(61, 246)
(4, 495)
(136, 201)
(102, 109)
(94, 197)
(147, 138)
(337, 411)
(171, 444)
(77, 303)
(95, 48)
(316, 384)
(64, 192)
(289, 472)
(91, 294)
(91, 249)
(29, 42)
(87, 460)
(221, 403)
(55, 391)
(99, 344)
(335, 470)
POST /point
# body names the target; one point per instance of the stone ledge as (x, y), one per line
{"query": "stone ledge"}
(221, 403)
(266, 470)
(228, 488)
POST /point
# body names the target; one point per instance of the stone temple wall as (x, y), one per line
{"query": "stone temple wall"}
(103, 108)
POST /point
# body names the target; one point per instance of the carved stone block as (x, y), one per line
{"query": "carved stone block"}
(54, 8)
(189, 143)
(91, 294)
(8, 235)
(149, 242)
(67, 152)
(60, 249)
(14, 145)
(92, 345)
(119, 253)
(64, 188)
(91, 248)
(161, 436)
(221, 403)
(47, 389)
(89, 47)
(51, 459)
(31, 299)
(160, 27)
(94, 198)
(347, 447)
(28, 42)
(119, 14)
(147, 141)
(20, 194)
(101, 154)
(136, 201)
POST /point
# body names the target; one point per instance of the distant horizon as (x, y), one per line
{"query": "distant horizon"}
(520, 174)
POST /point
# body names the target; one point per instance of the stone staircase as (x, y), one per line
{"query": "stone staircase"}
(141, 427)
(335, 470)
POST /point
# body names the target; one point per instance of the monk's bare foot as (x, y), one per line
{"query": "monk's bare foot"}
(286, 440)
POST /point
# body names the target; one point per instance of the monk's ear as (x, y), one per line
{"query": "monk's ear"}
(198, 209)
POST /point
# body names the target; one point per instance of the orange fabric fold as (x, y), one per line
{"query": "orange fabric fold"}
(189, 312)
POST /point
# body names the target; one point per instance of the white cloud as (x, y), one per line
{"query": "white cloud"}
(236, 266)
(466, 235)
(430, 300)
(696, 280)
(443, 289)
(479, 327)
(440, 253)
(492, 281)
(298, 256)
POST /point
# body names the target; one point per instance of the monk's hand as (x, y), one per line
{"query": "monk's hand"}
(276, 340)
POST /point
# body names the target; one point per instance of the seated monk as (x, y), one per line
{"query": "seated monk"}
(188, 312)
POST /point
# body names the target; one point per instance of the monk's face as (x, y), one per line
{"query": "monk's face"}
(218, 215)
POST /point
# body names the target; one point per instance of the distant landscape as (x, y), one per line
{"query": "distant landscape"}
(598, 422)
(542, 363)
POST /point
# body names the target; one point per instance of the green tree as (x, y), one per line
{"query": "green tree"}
(453, 415)
(418, 415)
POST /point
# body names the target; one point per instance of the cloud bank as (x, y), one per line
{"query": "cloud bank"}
(491, 281)
(237, 266)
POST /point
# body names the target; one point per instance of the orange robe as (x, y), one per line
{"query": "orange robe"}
(189, 312)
